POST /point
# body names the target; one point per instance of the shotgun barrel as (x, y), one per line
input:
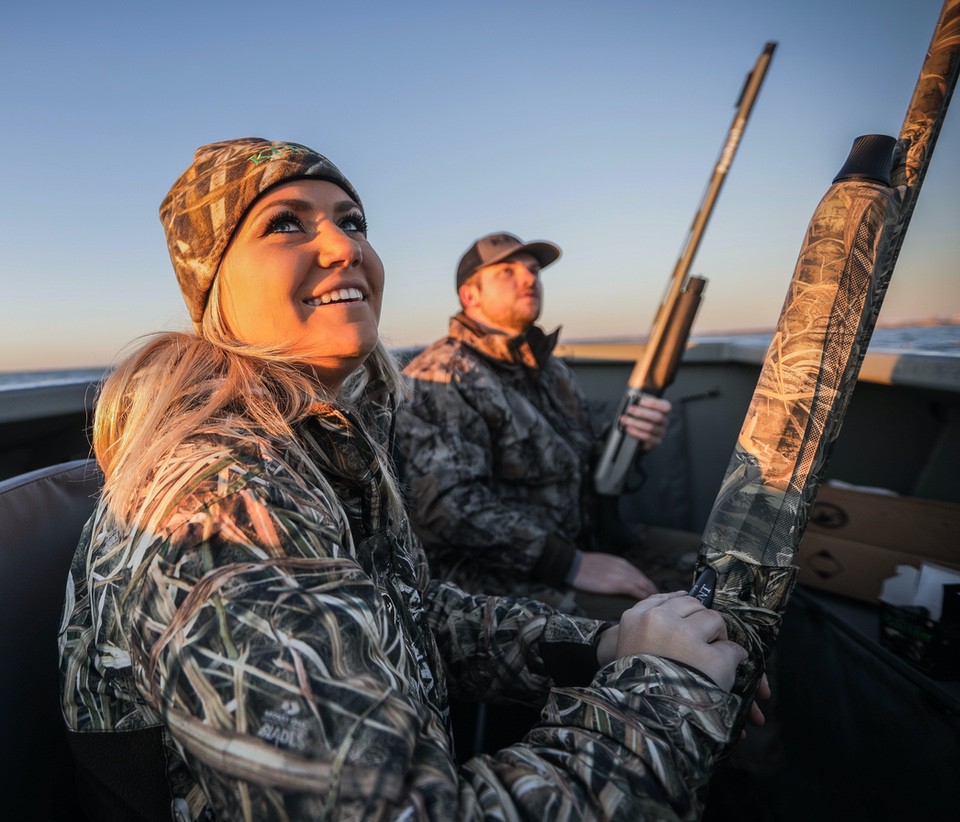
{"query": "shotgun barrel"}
(656, 367)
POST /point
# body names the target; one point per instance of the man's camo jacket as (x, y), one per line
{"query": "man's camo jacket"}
(496, 449)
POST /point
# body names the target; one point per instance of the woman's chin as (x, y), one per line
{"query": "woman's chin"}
(332, 371)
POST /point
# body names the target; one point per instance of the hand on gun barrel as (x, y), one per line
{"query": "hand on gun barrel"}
(644, 418)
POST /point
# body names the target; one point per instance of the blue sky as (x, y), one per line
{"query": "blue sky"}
(595, 125)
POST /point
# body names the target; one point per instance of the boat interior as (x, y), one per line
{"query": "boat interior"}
(855, 729)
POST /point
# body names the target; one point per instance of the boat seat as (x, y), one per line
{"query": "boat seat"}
(42, 514)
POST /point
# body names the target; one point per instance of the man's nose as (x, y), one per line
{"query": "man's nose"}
(527, 277)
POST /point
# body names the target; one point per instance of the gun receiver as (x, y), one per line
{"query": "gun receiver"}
(656, 368)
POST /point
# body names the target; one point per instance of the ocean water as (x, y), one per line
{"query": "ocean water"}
(47, 379)
(938, 339)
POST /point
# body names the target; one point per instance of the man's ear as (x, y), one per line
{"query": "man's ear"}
(469, 294)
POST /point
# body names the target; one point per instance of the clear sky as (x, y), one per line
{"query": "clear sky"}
(592, 124)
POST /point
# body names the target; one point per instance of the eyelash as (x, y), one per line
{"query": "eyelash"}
(358, 218)
(289, 217)
(279, 219)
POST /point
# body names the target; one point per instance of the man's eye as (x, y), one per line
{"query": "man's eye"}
(284, 223)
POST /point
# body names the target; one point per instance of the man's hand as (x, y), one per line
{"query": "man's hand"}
(646, 421)
(609, 574)
(756, 717)
(678, 627)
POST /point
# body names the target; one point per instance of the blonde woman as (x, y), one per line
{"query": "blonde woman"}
(250, 630)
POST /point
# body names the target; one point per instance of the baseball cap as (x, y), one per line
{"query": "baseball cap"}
(496, 247)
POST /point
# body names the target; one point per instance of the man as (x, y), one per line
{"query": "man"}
(497, 450)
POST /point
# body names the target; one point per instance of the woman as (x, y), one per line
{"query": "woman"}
(247, 614)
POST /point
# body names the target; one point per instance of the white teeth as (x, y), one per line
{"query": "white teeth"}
(338, 295)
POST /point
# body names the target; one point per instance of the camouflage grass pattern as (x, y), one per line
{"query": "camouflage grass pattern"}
(811, 368)
(277, 619)
(812, 363)
(927, 109)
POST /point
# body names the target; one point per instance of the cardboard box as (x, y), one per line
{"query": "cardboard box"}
(855, 539)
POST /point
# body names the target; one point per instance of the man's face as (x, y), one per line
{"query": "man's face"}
(505, 296)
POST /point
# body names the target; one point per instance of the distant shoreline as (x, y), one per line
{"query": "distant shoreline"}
(930, 336)
(926, 337)
(926, 323)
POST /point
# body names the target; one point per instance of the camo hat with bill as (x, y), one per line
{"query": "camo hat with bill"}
(207, 202)
(496, 247)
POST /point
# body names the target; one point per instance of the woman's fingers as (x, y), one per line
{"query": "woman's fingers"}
(679, 627)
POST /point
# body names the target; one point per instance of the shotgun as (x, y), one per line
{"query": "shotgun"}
(657, 366)
(811, 367)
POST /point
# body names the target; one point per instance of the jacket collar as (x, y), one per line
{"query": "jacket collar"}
(531, 349)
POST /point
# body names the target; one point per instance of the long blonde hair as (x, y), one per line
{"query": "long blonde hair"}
(179, 384)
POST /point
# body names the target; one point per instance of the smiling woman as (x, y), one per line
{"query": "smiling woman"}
(248, 609)
(300, 276)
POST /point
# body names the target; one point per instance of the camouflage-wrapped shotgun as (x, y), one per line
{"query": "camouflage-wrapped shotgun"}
(811, 367)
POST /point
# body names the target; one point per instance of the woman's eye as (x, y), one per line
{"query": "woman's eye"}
(354, 223)
(284, 223)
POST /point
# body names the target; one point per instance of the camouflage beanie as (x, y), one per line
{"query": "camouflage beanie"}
(207, 202)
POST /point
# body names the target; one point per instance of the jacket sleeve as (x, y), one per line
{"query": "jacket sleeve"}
(448, 454)
(498, 648)
(286, 680)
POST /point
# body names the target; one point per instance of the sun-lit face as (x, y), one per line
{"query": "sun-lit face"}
(505, 296)
(300, 274)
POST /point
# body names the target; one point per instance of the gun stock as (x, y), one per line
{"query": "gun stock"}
(656, 368)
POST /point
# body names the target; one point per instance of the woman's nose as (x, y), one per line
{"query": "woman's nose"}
(337, 249)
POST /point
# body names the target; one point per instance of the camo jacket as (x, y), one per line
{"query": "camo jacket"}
(496, 448)
(283, 636)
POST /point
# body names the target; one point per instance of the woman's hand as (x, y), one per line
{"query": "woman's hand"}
(678, 627)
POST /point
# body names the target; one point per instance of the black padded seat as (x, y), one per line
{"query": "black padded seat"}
(42, 514)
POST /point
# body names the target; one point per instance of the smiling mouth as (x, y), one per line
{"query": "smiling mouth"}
(338, 295)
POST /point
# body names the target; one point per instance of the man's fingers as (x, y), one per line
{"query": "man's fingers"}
(641, 589)
(656, 403)
(756, 716)
(647, 425)
(641, 414)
